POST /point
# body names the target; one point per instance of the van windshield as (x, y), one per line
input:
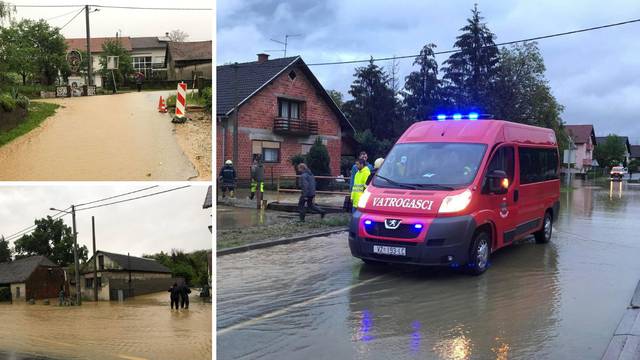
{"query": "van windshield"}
(443, 166)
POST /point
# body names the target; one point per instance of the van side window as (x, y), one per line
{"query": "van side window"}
(537, 165)
(503, 160)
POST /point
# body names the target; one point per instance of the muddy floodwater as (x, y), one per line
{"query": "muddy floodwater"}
(141, 328)
(232, 218)
(110, 137)
(562, 300)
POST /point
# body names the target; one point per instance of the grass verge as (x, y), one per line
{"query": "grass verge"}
(192, 99)
(38, 112)
(231, 238)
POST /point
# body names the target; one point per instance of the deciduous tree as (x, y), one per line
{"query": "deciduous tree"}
(610, 152)
(51, 238)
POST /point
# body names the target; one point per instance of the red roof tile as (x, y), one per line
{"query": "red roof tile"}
(580, 133)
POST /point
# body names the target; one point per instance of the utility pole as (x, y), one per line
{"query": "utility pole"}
(95, 261)
(75, 255)
(89, 61)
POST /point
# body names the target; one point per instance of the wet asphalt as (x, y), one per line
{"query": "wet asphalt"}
(561, 300)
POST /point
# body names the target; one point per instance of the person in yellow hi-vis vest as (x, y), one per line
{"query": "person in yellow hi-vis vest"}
(359, 182)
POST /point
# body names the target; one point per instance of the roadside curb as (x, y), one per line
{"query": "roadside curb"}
(625, 342)
(269, 243)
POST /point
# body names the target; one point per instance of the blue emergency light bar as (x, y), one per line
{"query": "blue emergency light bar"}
(458, 116)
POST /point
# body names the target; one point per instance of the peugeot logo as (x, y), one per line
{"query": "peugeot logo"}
(392, 224)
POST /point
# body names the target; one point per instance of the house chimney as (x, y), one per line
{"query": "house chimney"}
(262, 58)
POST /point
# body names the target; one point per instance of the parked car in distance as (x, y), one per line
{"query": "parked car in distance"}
(617, 172)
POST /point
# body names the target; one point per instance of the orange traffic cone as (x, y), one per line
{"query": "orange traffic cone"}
(162, 107)
(160, 103)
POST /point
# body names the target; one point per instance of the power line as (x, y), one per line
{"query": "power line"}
(488, 46)
(116, 196)
(18, 234)
(75, 16)
(115, 7)
(59, 16)
(134, 198)
(150, 8)
(542, 37)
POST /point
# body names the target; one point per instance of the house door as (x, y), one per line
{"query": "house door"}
(17, 292)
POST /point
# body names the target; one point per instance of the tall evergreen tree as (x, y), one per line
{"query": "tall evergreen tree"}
(374, 105)
(421, 89)
(5, 251)
(469, 74)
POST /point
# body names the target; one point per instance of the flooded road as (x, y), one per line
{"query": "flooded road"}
(562, 300)
(141, 328)
(110, 137)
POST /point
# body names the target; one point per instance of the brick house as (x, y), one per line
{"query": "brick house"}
(34, 277)
(584, 138)
(281, 109)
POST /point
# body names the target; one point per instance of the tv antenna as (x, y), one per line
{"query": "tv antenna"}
(285, 42)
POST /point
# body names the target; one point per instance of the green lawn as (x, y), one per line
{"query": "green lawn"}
(38, 112)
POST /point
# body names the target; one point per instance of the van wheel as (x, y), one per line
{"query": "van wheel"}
(480, 254)
(543, 235)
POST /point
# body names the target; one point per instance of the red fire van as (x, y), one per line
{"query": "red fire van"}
(452, 191)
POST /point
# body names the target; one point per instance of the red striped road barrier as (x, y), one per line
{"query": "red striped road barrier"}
(181, 100)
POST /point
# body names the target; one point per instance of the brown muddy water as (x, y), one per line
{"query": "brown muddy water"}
(232, 218)
(141, 328)
(563, 300)
(110, 137)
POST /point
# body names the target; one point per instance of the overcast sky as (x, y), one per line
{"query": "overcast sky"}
(594, 74)
(158, 223)
(106, 22)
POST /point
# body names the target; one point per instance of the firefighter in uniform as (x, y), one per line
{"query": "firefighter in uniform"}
(228, 178)
(359, 182)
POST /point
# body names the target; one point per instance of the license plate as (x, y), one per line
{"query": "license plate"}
(390, 250)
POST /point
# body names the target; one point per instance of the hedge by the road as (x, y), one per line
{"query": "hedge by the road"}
(38, 112)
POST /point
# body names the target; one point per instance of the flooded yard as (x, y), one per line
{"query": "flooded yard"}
(141, 328)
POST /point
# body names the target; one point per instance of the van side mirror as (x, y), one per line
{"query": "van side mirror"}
(497, 182)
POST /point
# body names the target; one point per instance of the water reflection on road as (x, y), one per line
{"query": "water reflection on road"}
(558, 301)
(141, 328)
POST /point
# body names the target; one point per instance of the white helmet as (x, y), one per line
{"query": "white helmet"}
(378, 163)
(228, 162)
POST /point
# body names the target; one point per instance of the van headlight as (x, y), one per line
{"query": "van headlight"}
(455, 203)
(362, 202)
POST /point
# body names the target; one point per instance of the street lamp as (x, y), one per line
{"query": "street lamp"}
(75, 250)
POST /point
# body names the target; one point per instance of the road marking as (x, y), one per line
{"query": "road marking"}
(282, 311)
(130, 357)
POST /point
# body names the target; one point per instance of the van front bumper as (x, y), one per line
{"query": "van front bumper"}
(447, 243)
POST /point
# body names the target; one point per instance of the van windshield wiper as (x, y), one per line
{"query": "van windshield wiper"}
(433, 186)
(408, 186)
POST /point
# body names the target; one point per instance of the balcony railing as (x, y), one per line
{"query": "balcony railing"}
(295, 126)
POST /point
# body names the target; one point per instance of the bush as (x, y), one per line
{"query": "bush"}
(23, 101)
(7, 103)
(208, 99)
(346, 164)
(318, 162)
